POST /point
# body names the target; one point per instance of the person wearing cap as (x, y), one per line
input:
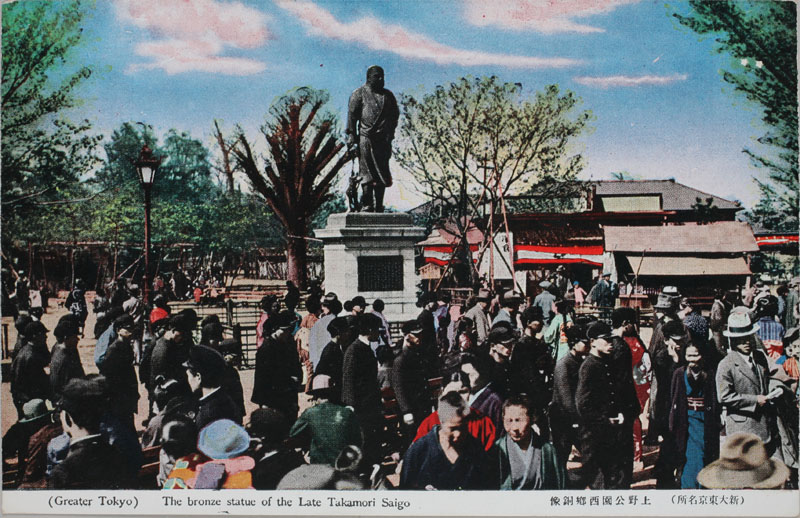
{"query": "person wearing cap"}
(91, 462)
(694, 418)
(743, 384)
(319, 337)
(377, 309)
(717, 318)
(360, 389)
(205, 371)
(523, 458)
(478, 314)
(545, 300)
(483, 396)
(273, 458)
(600, 419)
(447, 457)
(407, 379)
(65, 364)
(76, 303)
(744, 463)
(119, 371)
(502, 341)
(47, 427)
(327, 426)
(603, 295)
(664, 311)
(509, 307)
(278, 372)
(135, 307)
(20, 323)
(563, 416)
(28, 377)
(532, 364)
(562, 284)
(17, 440)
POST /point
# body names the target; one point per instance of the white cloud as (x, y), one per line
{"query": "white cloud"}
(629, 81)
(377, 35)
(546, 16)
(193, 35)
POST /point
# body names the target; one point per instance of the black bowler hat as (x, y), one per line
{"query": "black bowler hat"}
(413, 327)
(358, 300)
(501, 334)
(207, 362)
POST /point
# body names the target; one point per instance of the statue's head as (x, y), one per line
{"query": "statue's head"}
(375, 77)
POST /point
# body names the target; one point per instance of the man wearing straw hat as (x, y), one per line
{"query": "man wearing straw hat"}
(743, 384)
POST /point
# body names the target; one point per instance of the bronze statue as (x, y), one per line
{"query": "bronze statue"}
(371, 120)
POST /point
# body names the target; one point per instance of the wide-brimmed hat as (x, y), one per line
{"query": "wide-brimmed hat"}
(743, 463)
(501, 334)
(223, 439)
(35, 409)
(321, 385)
(666, 301)
(484, 295)
(739, 324)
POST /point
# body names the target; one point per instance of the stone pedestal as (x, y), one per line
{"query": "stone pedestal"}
(372, 255)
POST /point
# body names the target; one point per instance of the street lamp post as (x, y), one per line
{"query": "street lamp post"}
(146, 166)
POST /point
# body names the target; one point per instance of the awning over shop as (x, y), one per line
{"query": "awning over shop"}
(685, 266)
(441, 254)
(539, 254)
(721, 237)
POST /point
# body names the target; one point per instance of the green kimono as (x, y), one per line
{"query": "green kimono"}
(551, 473)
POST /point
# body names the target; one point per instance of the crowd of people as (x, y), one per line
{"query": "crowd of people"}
(497, 394)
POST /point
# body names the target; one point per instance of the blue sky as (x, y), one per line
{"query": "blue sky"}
(661, 108)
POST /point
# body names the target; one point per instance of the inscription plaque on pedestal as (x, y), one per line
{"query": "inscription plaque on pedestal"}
(380, 273)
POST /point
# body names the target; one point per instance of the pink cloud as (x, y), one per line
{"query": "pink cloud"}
(192, 34)
(381, 36)
(629, 81)
(547, 16)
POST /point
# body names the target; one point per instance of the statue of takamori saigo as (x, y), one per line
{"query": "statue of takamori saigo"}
(372, 116)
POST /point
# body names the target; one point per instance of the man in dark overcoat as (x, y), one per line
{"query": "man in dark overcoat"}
(123, 386)
(28, 377)
(408, 380)
(278, 373)
(360, 389)
(65, 364)
(205, 372)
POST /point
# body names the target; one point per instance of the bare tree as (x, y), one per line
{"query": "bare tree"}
(225, 167)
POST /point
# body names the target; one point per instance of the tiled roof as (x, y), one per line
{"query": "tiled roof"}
(674, 195)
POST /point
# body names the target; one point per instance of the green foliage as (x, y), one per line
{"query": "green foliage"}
(475, 126)
(44, 155)
(705, 209)
(761, 37)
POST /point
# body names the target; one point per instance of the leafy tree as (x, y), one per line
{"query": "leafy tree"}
(761, 38)
(43, 153)
(296, 177)
(478, 140)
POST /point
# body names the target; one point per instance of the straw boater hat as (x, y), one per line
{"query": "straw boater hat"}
(739, 324)
(743, 464)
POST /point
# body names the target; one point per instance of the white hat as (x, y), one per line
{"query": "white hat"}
(739, 324)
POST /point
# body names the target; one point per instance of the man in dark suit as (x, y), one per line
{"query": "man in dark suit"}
(408, 379)
(278, 373)
(205, 371)
(28, 378)
(91, 463)
(743, 384)
(596, 401)
(360, 389)
(332, 357)
(123, 387)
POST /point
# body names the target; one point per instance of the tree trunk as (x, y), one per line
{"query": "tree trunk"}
(297, 255)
